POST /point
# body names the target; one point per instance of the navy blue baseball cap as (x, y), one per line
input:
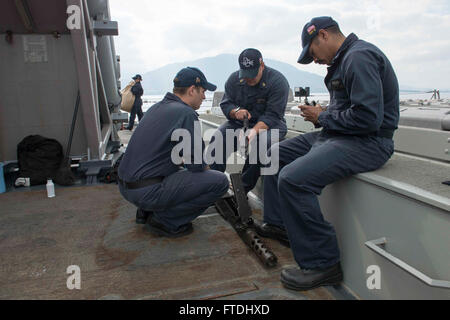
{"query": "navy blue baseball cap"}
(190, 76)
(249, 63)
(310, 31)
(138, 76)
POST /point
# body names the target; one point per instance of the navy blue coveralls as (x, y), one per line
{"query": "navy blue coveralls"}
(185, 193)
(266, 102)
(357, 132)
(137, 91)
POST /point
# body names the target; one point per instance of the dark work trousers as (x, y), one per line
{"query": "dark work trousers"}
(181, 197)
(136, 110)
(251, 172)
(308, 163)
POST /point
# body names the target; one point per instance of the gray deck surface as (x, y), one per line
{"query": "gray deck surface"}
(93, 227)
(426, 175)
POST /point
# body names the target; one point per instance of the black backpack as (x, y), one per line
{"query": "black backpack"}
(41, 158)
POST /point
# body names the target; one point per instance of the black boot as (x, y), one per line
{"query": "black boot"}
(162, 231)
(267, 230)
(302, 280)
(142, 216)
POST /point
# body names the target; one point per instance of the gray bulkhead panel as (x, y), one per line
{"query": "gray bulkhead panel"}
(41, 74)
(38, 90)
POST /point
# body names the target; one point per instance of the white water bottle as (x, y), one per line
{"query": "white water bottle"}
(50, 188)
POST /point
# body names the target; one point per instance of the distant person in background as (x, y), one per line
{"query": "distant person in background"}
(137, 107)
(259, 93)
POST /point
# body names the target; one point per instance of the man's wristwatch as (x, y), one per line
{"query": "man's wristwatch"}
(318, 124)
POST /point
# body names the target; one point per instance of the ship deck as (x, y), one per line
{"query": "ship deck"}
(93, 227)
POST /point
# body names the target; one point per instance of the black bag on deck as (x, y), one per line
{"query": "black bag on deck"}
(40, 158)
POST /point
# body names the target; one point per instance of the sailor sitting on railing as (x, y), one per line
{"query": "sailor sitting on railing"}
(358, 128)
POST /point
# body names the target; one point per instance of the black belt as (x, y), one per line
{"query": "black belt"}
(382, 133)
(141, 183)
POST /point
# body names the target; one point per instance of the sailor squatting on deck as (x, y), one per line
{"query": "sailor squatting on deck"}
(358, 127)
(168, 196)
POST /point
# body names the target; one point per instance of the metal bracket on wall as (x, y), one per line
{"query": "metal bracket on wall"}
(375, 246)
(106, 28)
(92, 169)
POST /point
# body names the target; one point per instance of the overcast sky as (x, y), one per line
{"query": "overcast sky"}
(413, 34)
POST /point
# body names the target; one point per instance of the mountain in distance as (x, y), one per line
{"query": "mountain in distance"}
(218, 69)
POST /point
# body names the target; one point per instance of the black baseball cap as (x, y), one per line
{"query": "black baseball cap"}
(192, 76)
(249, 63)
(310, 31)
(138, 76)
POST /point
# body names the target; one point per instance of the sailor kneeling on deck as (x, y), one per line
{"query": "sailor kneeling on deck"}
(357, 130)
(170, 195)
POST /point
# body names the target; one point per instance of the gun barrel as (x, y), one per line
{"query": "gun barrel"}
(227, 209)
(267, 257)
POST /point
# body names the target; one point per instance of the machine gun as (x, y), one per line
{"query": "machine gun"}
(235, 209)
